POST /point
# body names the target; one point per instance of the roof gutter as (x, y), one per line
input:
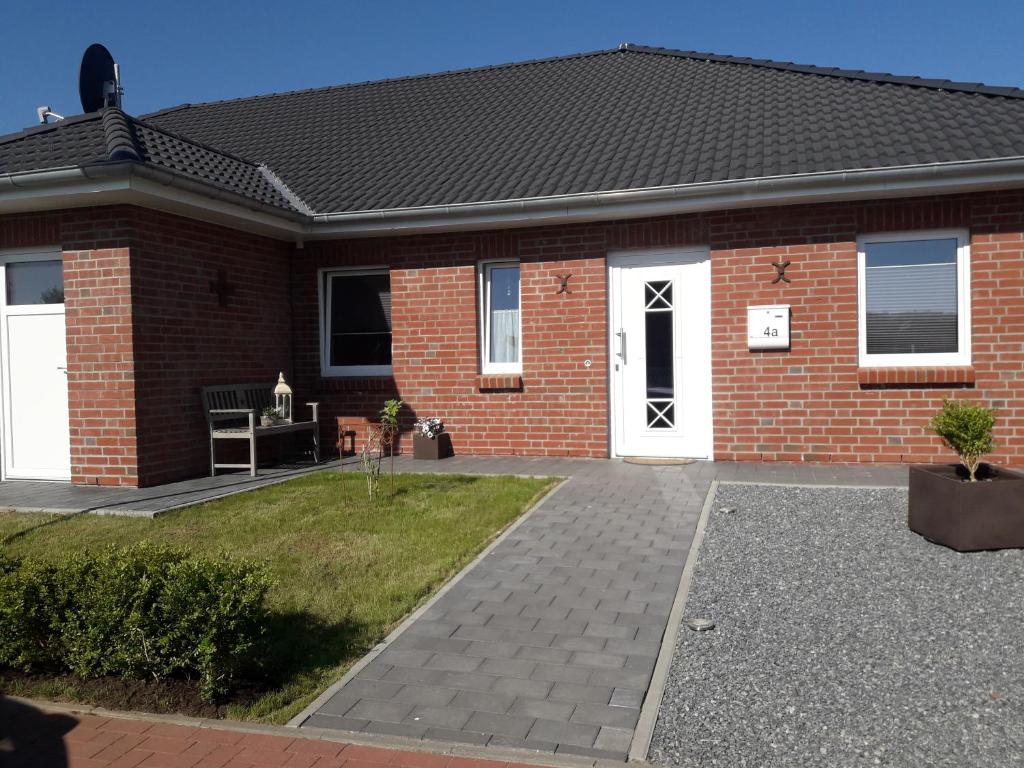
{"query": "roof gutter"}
(178, 181)
(162, 189)
(147, 185)
(902, 181)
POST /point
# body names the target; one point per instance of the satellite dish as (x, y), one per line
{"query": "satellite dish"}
(98, 79)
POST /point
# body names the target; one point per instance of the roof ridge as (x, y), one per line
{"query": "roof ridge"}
(121, 141)
(382, 81)
(786, 66)
(284, 190)
(193, 142)
(915, 81)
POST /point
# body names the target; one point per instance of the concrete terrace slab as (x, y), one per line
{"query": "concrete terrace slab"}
(64, 498)
(549, 641)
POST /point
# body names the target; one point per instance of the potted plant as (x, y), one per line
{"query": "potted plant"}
(430, 441)
(968, 506)
(270, 416)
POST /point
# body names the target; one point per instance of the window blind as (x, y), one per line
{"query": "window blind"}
(911, 305)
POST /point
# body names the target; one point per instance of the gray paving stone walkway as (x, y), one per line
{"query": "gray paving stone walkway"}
(549, 642)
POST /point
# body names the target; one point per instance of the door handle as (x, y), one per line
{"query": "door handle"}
(622, 344)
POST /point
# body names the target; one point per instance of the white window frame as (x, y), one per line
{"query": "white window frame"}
(325, 296)
(963, 295)
(484, 278)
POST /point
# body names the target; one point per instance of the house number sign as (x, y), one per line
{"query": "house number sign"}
(768, 327)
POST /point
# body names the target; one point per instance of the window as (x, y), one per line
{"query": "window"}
(35, 282)
(659, 346)
(914, 299)
(355, 319)
(501, 330)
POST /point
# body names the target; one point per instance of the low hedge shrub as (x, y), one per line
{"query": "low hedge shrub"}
(142, 611)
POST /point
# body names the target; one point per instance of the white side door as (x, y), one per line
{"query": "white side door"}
(660, 363)
(33, 350)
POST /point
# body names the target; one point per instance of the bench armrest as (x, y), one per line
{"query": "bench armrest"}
(315, 407)
(222, 411)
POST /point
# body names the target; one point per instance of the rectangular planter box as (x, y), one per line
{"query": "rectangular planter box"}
(965, 516)
(425, 448)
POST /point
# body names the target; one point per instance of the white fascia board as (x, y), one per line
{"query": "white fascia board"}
(145, 187)
(150, 187)
(152, 194)
(867, 184)
(53, 190)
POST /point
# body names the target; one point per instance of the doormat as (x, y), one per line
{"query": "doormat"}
(657, 462)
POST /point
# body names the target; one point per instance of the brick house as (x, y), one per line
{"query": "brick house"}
(557, 257)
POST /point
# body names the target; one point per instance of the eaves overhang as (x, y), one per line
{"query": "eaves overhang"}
(149, 186)
(862, 184)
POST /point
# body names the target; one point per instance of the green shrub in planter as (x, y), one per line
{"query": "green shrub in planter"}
(143, 611)
(967, 429)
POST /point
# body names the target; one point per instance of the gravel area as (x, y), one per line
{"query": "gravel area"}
(843, 639)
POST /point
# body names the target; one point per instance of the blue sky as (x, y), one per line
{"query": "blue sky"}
(180, 51)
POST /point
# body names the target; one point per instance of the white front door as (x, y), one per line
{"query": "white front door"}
(33, 348)
(660, 361)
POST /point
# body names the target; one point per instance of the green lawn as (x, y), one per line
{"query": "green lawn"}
(347, 571)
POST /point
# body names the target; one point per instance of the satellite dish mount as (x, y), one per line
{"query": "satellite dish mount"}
(99, 80)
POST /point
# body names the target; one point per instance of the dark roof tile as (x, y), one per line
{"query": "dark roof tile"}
(112, 136)
(75, 141)
(628, 118)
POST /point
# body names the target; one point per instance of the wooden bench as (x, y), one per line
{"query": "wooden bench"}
(233, 412)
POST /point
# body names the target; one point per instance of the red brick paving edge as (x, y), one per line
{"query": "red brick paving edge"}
(418, 751)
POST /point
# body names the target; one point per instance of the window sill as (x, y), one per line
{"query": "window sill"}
(927, 376)
(335, 383)
(500, 382)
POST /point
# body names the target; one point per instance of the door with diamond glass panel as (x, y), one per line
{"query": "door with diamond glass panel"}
(661, 353)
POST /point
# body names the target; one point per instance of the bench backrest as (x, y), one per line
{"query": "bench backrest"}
(255, 396)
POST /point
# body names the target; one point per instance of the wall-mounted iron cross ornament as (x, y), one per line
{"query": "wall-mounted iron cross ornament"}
(222, 288)
(780, 268)
(564, 288)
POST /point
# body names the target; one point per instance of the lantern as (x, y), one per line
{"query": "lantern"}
(283, 398)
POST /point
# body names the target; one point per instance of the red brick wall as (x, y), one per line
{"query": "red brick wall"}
(813, 403)
(101, 373)
(561, 408)
(144, 332)
(809, 403)
(185, 339)
(101, 377)
(156, 348)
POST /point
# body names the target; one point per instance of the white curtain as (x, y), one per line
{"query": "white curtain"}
(505, 336)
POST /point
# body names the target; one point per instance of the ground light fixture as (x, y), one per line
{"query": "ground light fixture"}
(698, 624)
